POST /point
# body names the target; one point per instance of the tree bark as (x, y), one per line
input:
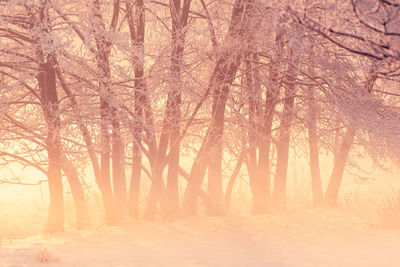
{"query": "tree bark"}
(115, 203)
(179, 21)
(57, 160)
(317, 194)
(257, 166)
(229, 188)
(142, 114)
(118, 169)
(78, 195)
(332, 191)
(282, 146)
(137, 32)
(47, 85)
(46, 78)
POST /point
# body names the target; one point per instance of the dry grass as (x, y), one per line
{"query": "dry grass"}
(46, 256)
(390, 211)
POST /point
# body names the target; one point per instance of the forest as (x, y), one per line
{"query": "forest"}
(192, 97)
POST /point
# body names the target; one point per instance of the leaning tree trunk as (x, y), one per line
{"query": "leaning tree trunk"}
(235, 173)
(212, 145)
(262, 185)
(332, 191)
(224, 73)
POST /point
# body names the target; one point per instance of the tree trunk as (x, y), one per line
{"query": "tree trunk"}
(55, 221)
(57, 160)
(212, 144)
(332, 191)
(78, 195)
(179, 22)
(229, 188)
(143, 110)
(282, 146)
(157, 185)
(137, 39)
(199, 168)
(262, 192)
(47, 85)
(118, 169)
(108, 116)
(214, 159)
(46, 78)
(316, 184)
(108, 198)
(258, 183)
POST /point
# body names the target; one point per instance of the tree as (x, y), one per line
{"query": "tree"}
(34, 17)
(227, 63)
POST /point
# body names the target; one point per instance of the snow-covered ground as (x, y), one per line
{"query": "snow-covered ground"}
(293, 238)
(361, 232)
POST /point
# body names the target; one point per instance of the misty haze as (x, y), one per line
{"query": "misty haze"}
(199, 133)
